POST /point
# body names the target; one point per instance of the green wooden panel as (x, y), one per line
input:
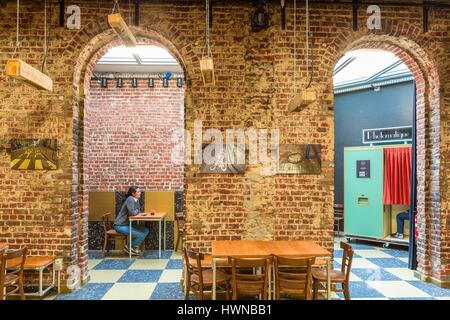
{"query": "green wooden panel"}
(363, 197)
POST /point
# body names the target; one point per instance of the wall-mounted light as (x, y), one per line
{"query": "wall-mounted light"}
(134, 82)
(179, 82)
(260, 17)
(119, 83)
(151, 83)
(104, 83)
(165, 82)
(120, 27)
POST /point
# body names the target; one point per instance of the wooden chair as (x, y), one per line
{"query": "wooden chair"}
(342, 276)
(249, 284)
(2, 271)
(293, 276)
(200, 278)
(179, 219)
(14, 277)
(109, 233)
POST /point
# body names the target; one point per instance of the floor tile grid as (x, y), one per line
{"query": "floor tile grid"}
(376, 274)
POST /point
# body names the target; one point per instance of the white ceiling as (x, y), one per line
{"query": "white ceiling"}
(364, 64)
(140, 59)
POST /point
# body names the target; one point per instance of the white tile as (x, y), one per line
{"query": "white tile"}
(373, 254)
(442, 298)
(397, 289)
(402, 273)
(130, 291)
(370, 298)
(149, 264)
(354, 277)
(105, 276)
(404, 259)
(93, 262)
(170, 276)
(362, 263)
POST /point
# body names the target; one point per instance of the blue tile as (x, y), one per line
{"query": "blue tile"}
(388, 262)
(175, 264)
(90, 291)
(114, 264)
(357, 246)
(95, 254)
(154, 254)
(360, 289)
(339, 253)
(169, 291)
(397, 253)
(375, 274)
(431, 289)
(141, 276)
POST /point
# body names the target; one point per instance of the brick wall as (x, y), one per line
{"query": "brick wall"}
(254, 83)
(130, 133)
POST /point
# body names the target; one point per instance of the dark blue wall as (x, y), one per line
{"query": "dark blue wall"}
(392, 106)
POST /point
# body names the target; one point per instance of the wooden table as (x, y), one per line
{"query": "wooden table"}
(157, 216)
(257, 248)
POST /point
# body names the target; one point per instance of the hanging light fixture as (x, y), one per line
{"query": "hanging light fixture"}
(150, 83)
(120, 27)
(206, 63)
(19, 69)
(308, 95)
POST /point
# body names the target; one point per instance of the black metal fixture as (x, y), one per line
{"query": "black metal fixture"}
(136, 13)
(151, 83)
(61, 13)
(134, 82)
(425, 18)
(180, 82)
(104, 82)
(283, 14)
(355, 15)
(165, 82)
(260, 18)
(119, 83)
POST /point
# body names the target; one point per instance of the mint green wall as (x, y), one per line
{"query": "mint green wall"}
(363, 220)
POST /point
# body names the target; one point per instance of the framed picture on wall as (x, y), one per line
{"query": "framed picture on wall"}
(300, 159)
(224, 158)
(34, 154)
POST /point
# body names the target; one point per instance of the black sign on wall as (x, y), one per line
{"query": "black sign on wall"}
(382, 135)
(363, 168)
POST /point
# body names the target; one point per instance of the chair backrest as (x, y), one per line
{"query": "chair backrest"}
(293, 275)
(106, 222)
(194, 268)
(347, 258)
(2, 271)
(249, 284)
(179, 218)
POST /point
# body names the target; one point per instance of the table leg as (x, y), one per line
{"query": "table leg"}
(41, 279)
(164, 233)
(159, 246)
(214, 279)
(270, 282)
(129, 248)
(328, 278)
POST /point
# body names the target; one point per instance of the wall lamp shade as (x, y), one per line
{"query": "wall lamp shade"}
(151, 83)
(120, 27)
(207, 69)
(19, 69)
(302, 100)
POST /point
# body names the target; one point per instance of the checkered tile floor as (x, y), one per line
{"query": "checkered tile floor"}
(377, 274)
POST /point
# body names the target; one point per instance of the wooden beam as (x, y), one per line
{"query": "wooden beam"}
(301, 100)
(19, 69)
(120, 27)
(207, 69)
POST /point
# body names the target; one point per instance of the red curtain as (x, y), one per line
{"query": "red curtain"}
(397, 176)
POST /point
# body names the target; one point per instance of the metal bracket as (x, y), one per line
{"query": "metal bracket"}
(283, 14)
(61, 13)
(136, 12)
(425, 18)
(355, 7)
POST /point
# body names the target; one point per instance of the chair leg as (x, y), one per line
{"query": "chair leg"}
(178, 242)
(316, 289)
(188, 288)
(22, 293)
(104, 246)
(346, 291)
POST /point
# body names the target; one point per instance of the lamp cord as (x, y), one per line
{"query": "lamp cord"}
(310, 74)
(17, 29)
(207, 50)
(295, 46)
(44, 61)
(114, 7)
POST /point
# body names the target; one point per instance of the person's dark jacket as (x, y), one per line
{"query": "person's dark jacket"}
(130, 207)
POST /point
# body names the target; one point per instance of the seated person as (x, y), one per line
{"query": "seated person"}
(401, 217)
(131, 207)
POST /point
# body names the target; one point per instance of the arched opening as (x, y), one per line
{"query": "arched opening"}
(136, 150)
(426, 100)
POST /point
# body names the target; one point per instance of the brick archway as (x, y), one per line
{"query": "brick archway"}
(426, 77)
(83, 71)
